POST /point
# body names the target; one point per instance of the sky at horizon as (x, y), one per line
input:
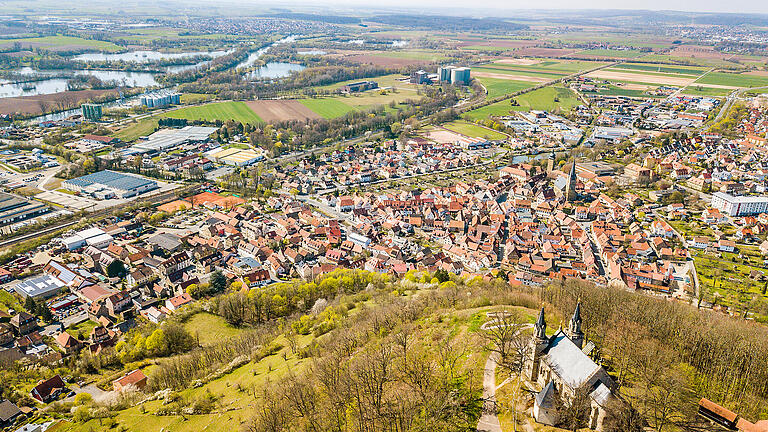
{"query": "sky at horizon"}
(716, 6)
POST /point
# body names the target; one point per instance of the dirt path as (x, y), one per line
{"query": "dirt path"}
(489, 421)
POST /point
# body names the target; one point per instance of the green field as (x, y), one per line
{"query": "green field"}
(133, 131)
(647, 75)
(610, 53)
(63, 42)
(473, 130)
(550, 65)
(223, 111)
(327, 107)
(620, 91)
(705, 91)
(210, 328)
(498, 109)
(733, 79)
(498, 87)
(544, 99)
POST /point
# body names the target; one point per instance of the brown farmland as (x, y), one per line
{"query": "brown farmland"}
(281, 110)
(33, 105)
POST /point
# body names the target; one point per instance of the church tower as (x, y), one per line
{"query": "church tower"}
(539, 342)
(570, 188)
(551, 163)
(574, 327)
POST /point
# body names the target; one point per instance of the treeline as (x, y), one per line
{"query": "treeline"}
(284, 299)
(672, 350)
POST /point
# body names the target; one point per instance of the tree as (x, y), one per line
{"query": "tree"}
(44, 312)
(574, 413)
(218, 281)
(30, 305)
(505, 341)
(155, 343)
(621, 417)
(115, 268)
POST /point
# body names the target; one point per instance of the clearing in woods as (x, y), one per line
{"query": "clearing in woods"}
(281, 110)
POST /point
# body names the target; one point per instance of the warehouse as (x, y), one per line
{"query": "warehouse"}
(40, 287)
(95, 237)
(15, 209)
(167, 139)
(110, 184)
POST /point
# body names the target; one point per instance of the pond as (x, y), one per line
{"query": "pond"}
(145, 56)
(57, 85)
(275, 70)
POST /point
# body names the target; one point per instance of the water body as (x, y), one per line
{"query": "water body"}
(145, 56)
(311, 52)
(529, 157)
(275, 70)
(400, 43)
(57, 85)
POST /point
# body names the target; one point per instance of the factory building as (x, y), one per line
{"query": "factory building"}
(160, 99)
(110, 184)
(454, 75)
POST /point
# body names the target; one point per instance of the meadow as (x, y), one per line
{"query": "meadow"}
(327, 107)
(62, 43)
(498, 87)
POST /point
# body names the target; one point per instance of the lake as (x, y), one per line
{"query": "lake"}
(145, 56)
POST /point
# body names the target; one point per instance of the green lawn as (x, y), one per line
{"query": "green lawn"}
(210, 328)
(498, 87)
(544, 99)
(733, 79)
(85, 327)
(327, 107)
(473, 130)
(223, 111)
(63, 42)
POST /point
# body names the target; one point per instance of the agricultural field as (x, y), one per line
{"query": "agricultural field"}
(62, 43)
(281, 110)
(609, 53)
(498, 109)
(696, 90)
(473, 130)
(662, 68)
(327, 107)
(231, 110)
(548, 99)
(642, 77)
(733, 80)
(499, 87)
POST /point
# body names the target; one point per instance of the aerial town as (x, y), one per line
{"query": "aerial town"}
(280, 221)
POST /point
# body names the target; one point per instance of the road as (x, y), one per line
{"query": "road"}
(489, 421)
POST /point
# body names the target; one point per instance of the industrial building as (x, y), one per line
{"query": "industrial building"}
(420, 77)
(166, 139)
(359, 86)
(110, 184)
(95, 237)
(91, 112)
(41, 287)
(454, 75)
(15, 209)
(160, 99)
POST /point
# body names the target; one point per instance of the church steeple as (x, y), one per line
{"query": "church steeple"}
(540, 328)
(574, 327)
(570, 188)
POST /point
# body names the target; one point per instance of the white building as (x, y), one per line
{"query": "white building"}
(739, 205)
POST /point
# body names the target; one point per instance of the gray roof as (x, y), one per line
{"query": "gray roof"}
(166, 241)
(569, 362)
(546, 397)
(41, 286)
(8, 410)
(601, 394)
(112, 179)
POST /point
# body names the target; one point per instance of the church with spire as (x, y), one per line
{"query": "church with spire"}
(560, 367)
